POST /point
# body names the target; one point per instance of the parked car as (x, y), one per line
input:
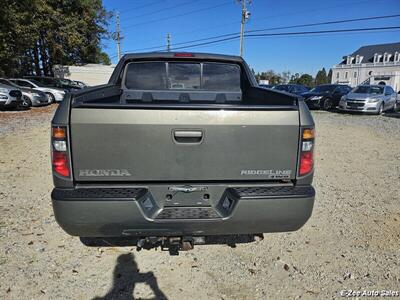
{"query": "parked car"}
(30, 96)
(54, 94)
(207, 171)
(266, 86)
(79, 83)
(397, 104)
(326, 96)
(369, 99)
(60, 83)
(296, 89)
(10, 97)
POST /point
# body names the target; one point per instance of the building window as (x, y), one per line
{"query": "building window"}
(337, 75)
(355, 74)
(345, 75)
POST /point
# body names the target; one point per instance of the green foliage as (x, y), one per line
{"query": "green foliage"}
(329, 76)
(271, 76)
(304, 79)
(35, 35)
(321, 77)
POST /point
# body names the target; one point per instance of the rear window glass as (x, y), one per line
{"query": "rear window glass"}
(221, 77)
(183, 76)
(146, 76)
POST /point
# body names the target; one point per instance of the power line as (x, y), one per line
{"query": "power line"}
(140, 6)
(265, 17)
(278, 15)
(179, 15)
(161, 10)
(327, 23)
(322, 31)
(267, 29)
(293, 34)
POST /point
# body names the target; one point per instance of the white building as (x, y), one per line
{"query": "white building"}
(91, 74)
(374, 64)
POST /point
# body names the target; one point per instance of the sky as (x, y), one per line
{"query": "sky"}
(146, 23)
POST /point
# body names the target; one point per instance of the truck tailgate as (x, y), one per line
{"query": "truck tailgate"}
(183, 145)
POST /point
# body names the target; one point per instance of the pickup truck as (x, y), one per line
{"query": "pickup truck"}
(180, 147)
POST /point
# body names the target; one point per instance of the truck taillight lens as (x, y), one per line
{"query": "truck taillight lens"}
(59, 147)
(307, 151)
(60, 163)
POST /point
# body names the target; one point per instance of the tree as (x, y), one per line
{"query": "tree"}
(306, 79)
(104, 59)
(321, 77)
(329, 76)
(50, 32)
(271, 76)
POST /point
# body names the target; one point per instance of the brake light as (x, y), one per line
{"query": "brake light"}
(307, 152)
(59, 147)
(184, 54)
(60, 163)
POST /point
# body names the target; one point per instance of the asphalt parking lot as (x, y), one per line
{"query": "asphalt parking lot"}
(350, 243)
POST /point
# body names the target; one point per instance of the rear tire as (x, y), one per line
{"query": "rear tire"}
(328, 104)
(380, 109)
(396, 107)
(52, 98)
(27, 102)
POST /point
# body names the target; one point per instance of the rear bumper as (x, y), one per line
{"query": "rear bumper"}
(253, 210)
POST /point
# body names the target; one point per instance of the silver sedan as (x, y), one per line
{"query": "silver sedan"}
(369, 99)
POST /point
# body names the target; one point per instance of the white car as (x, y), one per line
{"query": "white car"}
(10, 97)
(369, 99)
(54, 94)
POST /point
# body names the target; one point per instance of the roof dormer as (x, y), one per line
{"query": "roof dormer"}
(377, 57)
(349, 60)
(359, 59)
(396, 56)
(386, 57)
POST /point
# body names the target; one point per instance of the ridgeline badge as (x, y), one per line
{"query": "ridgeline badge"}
(271, 174)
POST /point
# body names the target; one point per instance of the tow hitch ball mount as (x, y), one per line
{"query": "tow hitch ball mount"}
(171, 244)
(180, 243)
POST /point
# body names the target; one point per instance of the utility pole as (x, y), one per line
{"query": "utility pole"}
(245, 17)
(116, 36)
(168, 42)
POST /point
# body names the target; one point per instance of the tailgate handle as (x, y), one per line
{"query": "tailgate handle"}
(188, 136)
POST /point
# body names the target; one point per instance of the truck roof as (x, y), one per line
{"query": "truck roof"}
(180, 55)
(170, 55)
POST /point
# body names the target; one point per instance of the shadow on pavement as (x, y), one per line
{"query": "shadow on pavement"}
(126, 275)
(395, 115)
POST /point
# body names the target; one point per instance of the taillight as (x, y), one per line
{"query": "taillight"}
(59, 147)
(60, 163)
(307, 151)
